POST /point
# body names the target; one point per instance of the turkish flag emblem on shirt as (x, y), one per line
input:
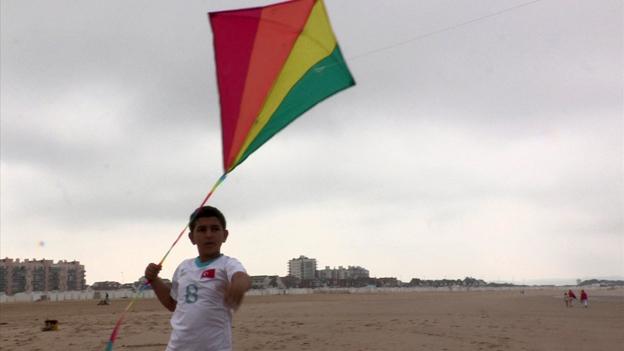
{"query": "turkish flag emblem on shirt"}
(208, 273)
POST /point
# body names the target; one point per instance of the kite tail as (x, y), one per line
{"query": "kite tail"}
(113, 337)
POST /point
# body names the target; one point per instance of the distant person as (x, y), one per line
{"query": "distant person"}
(566, 299)
(204, 289)
(571, 297)
(584, 298)
(105, 301)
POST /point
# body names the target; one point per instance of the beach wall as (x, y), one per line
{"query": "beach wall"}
(376, 290)
(74, 295)
(148, 294)
(127, 293)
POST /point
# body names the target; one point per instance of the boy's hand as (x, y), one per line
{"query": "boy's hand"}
(235, 291)
(162, 290)
(151, 271)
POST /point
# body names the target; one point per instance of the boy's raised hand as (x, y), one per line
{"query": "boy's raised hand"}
(151, 271)
(161, 289)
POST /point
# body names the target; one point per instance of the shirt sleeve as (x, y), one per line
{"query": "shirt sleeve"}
(232, 267)
(174, 284)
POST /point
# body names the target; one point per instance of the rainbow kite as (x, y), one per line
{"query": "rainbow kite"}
(273, 64)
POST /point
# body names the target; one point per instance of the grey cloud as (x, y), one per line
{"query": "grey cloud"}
(111, 108)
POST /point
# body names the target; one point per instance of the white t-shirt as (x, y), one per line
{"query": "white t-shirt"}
(201, 320)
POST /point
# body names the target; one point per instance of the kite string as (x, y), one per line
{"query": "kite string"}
(214, 187)
(113, 337)
(442, 30)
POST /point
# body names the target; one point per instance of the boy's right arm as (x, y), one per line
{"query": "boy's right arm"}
(161, 289)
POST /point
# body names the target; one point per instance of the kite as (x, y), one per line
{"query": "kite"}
(273, 64)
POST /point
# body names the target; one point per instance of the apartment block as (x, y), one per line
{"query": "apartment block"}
(40, 275)
(302, 267)
(341, 273)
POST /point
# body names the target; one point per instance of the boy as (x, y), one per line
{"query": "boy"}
(204, 289)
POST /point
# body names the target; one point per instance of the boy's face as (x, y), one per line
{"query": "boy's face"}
(208, 236)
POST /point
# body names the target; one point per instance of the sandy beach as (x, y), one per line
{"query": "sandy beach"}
(491, 320)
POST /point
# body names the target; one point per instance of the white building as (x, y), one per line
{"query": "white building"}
(302, 267)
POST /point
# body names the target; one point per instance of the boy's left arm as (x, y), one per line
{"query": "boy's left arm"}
(237, 288)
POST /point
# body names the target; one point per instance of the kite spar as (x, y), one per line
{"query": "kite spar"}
(273, 64)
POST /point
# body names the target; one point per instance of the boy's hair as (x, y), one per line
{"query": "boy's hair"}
(206, 211)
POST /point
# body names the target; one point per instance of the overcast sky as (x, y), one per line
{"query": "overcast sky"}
(484, 138)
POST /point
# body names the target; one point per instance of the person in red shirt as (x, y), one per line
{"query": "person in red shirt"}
(571, 297)
(584, 298)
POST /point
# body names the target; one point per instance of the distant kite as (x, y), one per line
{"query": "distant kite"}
(273, 64)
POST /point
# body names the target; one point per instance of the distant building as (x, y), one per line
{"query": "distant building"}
(389, 282)
(266, 282)
(302, 268)
(341, 273)
(40, 275)
(111, 285)
(107, 285)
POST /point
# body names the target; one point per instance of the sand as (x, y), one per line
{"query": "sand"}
(493, 320)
